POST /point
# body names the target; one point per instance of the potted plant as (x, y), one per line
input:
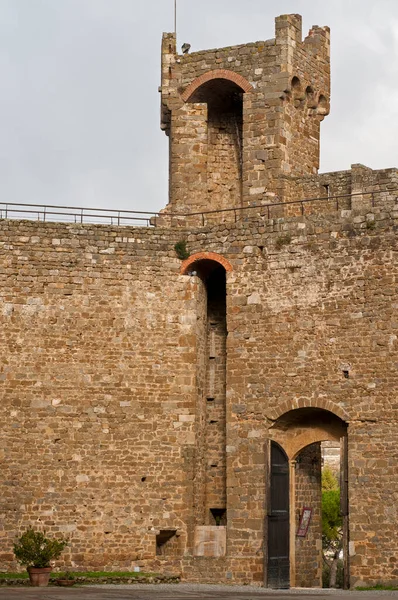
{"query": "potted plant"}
(66, 579)
(36, 551)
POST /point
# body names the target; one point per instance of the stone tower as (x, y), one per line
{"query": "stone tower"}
(244, 121)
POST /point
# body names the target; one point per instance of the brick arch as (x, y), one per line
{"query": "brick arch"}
(290, 405)
(194, 258)
(216, 74)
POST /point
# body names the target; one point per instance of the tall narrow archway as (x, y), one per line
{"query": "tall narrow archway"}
(209, 271)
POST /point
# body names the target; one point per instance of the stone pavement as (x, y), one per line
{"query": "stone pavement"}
(184, 592)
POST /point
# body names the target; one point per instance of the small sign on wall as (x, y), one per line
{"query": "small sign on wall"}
(304, 522)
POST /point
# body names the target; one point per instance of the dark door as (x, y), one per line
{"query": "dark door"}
(278, 520)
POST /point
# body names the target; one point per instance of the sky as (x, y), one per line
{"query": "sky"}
(79, 101)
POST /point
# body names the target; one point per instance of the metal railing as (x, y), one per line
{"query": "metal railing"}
(136, 218)
(75, 214)
(265, 210)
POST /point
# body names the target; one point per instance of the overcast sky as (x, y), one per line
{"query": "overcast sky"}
(79, 106)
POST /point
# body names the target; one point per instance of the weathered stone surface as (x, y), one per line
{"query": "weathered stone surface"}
(138, 397)
(210, 540)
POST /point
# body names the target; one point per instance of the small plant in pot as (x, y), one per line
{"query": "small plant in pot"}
(36, 551)
(66, 579)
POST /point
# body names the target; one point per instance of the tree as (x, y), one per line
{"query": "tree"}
(332, 523)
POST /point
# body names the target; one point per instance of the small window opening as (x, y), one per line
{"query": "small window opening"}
(346, 374)
(296, 85)
(143, 478)
(323, 107)
(310, 95)
(327, 190)
(218, 516)
(166, 542)
(210, 399)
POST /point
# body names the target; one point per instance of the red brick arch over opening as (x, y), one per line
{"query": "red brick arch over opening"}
(194, 258)
(294, 404)
(216, 74)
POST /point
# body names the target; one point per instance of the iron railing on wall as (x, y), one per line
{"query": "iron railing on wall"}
(136, 218)
(75, 214)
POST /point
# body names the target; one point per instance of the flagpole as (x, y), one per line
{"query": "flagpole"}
(175, 18)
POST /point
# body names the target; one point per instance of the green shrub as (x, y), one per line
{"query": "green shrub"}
(283, 240)
(34, 549)
(67, 575)
(181, 250)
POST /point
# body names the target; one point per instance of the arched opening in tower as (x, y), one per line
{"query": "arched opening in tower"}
(210, 476)
(224, 101)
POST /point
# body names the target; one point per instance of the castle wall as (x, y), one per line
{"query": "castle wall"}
(98, 386)
(100, 346)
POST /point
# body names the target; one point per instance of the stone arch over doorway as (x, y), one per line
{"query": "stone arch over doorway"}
(300, 427)
(322, 404)
(300, 431)
(204, 262)
(223, 74)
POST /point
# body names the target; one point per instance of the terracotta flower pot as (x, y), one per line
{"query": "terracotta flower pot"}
(39, 577)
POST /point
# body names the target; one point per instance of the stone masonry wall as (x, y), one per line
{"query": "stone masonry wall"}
(198, 454)
(326, 193)
(99, 386)
(224, 159)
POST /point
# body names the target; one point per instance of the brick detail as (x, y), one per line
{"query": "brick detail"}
(295, 404)
(194, 258)
(216, 74)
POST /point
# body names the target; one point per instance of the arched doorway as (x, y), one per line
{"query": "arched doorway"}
(300, 433)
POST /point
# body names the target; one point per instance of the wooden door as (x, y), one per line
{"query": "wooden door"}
(278, 571)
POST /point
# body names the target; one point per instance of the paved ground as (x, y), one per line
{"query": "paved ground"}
(183, 592)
